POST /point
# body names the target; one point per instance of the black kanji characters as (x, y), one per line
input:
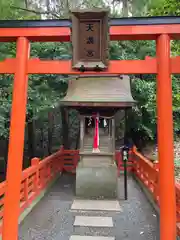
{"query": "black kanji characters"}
(89, 27)
(90, 53)
(90, 40)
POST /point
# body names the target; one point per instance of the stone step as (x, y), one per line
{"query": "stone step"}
(94, 231)
(106, 139)
(79, 237)
(93, 221)
(100, 144)
(100, 139)
(104, 146)
(92, 136)
(102, 150)
(105, 163)
(90, 147)
(97, 157)
(96, 205)
(96, 165)
(98, 154)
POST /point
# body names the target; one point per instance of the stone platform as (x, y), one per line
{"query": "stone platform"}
(96, 181)
(96, 173)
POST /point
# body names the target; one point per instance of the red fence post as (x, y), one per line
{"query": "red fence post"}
(62, 158)
(16, 143)
(167, 196)
(35, 163)
(26, 182)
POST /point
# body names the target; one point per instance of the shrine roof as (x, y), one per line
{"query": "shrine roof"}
(99, 91)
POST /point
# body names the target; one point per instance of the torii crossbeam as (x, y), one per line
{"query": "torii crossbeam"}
(161, 29)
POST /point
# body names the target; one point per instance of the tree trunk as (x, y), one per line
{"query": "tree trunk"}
(7, 125)
(50, 131)
(65, 130)
(77, 140)
(134, 8)
(75, 3)
(5, 157)
(42, 139)
(125, 8)
(26, 3)
(31, 136)
(48, 5)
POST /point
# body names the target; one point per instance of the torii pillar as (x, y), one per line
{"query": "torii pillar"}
(167, 195)
(16, 143)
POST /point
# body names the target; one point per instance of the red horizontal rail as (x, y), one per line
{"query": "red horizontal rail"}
(63, 34)
(37, 66)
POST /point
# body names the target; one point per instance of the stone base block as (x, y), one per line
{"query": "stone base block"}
(96, 182)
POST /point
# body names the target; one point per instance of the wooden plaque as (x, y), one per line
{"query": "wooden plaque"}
(90, 39)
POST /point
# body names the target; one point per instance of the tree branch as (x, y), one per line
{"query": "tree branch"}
(36, 12)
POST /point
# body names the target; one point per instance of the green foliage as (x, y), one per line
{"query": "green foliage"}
(176, 103)
(5, 103)
(132, 49)
(165, 8)
(140, 7)
(10, 10)
(171, 8)
(142, 118)
(45, 91)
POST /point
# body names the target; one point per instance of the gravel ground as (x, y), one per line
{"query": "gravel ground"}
(52, 218)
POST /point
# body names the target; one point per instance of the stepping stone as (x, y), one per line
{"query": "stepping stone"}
(98, 205)
(76, 237)
(87, 221)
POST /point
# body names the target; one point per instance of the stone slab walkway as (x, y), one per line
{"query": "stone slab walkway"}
(57, 216)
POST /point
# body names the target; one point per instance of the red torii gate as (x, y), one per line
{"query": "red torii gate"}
(161, 29)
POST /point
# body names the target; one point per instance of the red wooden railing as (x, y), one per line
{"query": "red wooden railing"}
(71, 158)
(37, 177)
(147, 172)
(34, 179)
(41, 173)
(120, 164)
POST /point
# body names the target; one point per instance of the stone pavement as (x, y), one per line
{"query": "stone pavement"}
(59, 216)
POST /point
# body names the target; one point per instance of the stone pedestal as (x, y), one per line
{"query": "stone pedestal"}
(96, 182)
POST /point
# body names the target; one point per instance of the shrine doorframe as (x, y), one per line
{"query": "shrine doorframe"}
(23, 32)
